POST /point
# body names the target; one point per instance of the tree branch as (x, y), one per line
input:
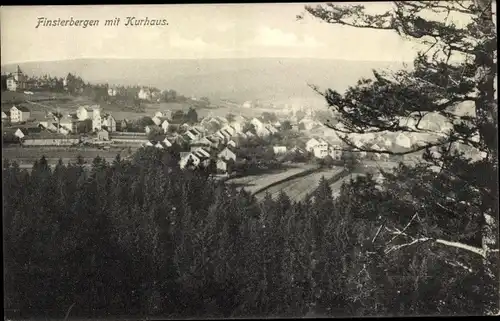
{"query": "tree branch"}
(458, 245)
(404, 229)
(334, 14)
(389, 152)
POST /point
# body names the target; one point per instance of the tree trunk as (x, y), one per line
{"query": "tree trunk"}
(486, 116)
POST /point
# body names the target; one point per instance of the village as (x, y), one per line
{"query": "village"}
(234, 144)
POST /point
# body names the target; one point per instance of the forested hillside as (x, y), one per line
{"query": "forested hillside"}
(141, 237)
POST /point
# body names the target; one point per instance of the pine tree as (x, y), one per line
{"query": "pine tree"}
(457, 69)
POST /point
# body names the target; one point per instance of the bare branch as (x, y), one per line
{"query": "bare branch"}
(69, 310)
(458, 245)
(404, 229)
(378, 232)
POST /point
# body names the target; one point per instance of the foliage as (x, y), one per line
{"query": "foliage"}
(436, 226)
(286, 125)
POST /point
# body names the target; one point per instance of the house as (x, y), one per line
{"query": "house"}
(5, 116)
(222, 165)
(180, 139)
(297, 150)
(362, 154)
(210, 124)
(249, 134)
(379, 156)
(311, 143)
(165, 114)
(103, 135)
(199, 129)
(83, 112)
(241, 135)
(19, 114)
(122, 125)
(201, 152)
(8, 136)
(215, 141)
(167, 142)
(403, 140)
(63, 130)
(17, 80)
(157, 120)
(258, 124)
(108, 122)
(263, 132)
(271, 129)
(227, 154)
(238, 127)
(19, 133)
(322, 149)
(204, 141)
(247, 104)
(164, 125)
(50, 126)
(151, 129)
(193, 134)
(228, 134)
(149, 143)
(240, 119)
(222, 135)
(159, 145)
(144, 94)
(189, 159)
(232, 143)
(307, 124)
(229, 129)
(277, 124)
(386, 142)
(335, 152)
(279, 150)
(96, 119)
(221, 120)
(68, 123)
(112, 92)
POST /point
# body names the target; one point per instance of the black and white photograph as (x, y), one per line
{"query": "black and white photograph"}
(267, 160)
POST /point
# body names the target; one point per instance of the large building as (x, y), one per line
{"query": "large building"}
(19, 114)
(17, 80)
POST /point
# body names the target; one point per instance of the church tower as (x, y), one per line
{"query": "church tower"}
(96, 119)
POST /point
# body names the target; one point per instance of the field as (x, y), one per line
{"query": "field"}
(256, 182)
(298, 188)
(25, 156)
(41, 102)
(13, 97)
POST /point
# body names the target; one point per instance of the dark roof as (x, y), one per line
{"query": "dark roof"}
(7, 112)
(200, 155)
(230, 148)
(27, 130)
(22, 108)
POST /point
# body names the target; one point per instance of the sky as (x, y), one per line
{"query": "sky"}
(194, 31)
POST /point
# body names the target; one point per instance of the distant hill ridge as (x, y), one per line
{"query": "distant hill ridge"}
(278, 80)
